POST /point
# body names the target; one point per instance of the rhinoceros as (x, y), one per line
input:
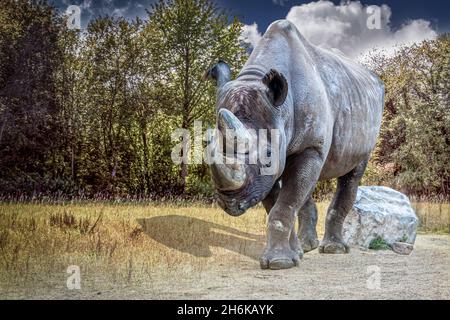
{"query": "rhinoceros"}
(327, 110)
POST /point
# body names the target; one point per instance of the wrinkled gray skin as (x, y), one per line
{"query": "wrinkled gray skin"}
(328, 110)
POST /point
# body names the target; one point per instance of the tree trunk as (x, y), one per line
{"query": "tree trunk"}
(186, 110)
(147, 186)
(2, 129)
(184, 165)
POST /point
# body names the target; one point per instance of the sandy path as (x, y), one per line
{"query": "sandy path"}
(423, 275)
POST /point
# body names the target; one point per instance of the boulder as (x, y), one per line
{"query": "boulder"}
(381, 212)
(402, 248)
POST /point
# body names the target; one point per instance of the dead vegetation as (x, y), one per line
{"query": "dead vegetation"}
(134, 244)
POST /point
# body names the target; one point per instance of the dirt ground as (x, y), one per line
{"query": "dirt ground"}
(425, 274)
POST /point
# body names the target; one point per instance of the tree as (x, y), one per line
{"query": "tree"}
(29, 123)
(111, 61)
(71, 86)
(190, 35)
(414, 142)
(91, 112)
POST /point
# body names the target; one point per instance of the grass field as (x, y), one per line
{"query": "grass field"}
(126, 244)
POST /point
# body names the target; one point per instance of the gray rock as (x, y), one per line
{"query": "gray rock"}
(402, 248)
(380, 212)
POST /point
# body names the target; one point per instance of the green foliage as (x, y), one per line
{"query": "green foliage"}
(92, 112)
(379, 244)
(324, 189)
(188, 37)
(29, 111)
(414, 145)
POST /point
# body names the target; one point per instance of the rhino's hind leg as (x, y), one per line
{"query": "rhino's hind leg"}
(307, 222)
(295, 243)
(340, 206)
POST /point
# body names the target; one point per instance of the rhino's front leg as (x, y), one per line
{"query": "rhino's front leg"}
(301, 174)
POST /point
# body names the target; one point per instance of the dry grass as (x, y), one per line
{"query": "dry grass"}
(434, 217)
(129, 244)
(125, 243)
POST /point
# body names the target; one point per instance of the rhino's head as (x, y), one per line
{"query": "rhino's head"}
(249, 147)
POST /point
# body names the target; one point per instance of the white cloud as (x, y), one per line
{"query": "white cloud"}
(344, 26)
(250, 35)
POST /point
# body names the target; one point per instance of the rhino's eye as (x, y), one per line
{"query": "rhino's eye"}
(266, 159)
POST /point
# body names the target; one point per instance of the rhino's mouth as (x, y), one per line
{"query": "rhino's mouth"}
(234, 207)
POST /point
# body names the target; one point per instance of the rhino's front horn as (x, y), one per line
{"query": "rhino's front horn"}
(233, 131)
(228, 171)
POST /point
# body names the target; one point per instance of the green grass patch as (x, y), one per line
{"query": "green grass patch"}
(379, 244)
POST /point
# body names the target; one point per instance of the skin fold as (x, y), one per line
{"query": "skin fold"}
(328, 112)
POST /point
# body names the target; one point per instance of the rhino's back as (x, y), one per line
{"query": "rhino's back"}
(356, 98)
(343, 100)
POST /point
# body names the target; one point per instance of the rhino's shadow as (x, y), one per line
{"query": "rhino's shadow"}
(195, 236)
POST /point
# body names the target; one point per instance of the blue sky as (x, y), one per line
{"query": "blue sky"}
(326, 23)
(265, 11)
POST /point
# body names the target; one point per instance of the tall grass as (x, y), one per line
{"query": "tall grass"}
(434, 217)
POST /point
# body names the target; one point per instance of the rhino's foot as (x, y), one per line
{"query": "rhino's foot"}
(309, 243)
(280, 259)
(333, 247)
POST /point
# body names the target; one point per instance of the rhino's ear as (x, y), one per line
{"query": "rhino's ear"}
(220, 72)
(277, 87)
